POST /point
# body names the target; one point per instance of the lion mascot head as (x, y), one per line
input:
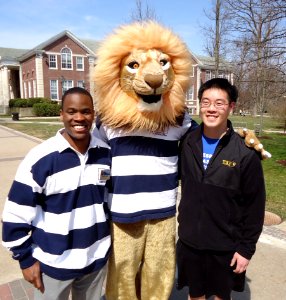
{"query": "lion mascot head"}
(142, 75)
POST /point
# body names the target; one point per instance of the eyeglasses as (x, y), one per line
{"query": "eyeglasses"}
(219, 104)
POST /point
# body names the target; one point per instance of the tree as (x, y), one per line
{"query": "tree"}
(140, 14)
(258, 31)
(216, 33)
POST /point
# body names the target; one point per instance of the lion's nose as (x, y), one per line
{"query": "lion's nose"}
(154, 81)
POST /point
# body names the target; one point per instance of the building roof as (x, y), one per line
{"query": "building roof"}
(10, 56)
(207, 62)
(89, 45)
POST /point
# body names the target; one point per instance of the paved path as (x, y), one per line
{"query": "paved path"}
(266, 276)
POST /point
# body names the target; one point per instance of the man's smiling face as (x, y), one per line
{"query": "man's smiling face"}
(215, 115)
(77, 114)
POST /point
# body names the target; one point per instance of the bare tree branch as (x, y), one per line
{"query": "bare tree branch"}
(140, 14)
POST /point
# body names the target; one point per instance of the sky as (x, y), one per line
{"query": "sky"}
(26, 24)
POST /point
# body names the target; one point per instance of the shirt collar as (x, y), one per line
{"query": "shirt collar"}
(63, 144)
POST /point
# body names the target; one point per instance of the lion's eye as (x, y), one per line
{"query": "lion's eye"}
(163, 62)
(133, 65)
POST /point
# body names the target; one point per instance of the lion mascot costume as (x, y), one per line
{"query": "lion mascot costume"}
(141, 78)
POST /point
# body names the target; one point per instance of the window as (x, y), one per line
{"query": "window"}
(193, 71)
(79, 63)
(66, 59)
(25, 90)
(34, 88)
(66, 84)
(190, 94)
(221, 74)
(54, 90)
(29, 89)
(80, 83)
(52, 61)
(208, 75)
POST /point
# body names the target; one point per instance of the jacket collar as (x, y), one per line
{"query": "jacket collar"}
(226, 136)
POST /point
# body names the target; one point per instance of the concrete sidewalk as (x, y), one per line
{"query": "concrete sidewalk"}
(266, 275)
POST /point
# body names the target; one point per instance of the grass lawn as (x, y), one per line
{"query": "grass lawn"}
(251, 122)
(39, 130)
(275, 143)
(275, 173)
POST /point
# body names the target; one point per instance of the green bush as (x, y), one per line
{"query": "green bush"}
(47, 109)
(32, 101)
(12, 102)
(21, 102)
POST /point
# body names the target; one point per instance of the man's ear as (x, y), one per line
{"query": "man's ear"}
(232, 105)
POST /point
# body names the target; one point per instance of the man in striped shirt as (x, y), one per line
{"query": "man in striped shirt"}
(55, 218)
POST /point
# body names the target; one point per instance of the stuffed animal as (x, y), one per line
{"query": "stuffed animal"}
(141, 78)
(252, 141)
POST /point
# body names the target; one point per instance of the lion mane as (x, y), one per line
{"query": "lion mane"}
(118, 109)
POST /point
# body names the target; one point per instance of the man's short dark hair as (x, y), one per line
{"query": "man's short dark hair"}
(76, 90)
(222, 84)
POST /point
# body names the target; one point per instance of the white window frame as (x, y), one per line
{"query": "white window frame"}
(79, 65)
(66, 84)
(190, 93)
(54, 89)
(80, 83)
(53, 60)
(208, 75)
(66, 59)
(193, 74)
(29, 89)
(34, 88)
(25, 89)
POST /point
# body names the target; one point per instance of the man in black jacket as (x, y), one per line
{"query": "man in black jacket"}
(221, 211)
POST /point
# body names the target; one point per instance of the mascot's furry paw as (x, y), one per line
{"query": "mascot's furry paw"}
(252, 141)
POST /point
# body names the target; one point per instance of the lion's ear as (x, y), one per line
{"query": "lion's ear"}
(252, 141)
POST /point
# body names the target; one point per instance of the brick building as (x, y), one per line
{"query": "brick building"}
(65, 61)
(203, 70)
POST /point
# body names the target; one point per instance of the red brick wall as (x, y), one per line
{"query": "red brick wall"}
(28, 74)
(72, 74)
(55, 48)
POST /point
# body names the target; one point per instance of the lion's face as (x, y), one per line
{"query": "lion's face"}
(147, 76)
(141, 77)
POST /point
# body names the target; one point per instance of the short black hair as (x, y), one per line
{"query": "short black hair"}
(76, 90)
(222, 84)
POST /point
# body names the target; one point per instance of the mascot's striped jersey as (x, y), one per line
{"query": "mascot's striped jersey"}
(144, 177)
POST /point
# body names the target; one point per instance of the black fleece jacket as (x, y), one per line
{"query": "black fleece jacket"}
(222, 207)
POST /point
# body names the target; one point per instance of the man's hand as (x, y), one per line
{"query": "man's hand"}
(240, 262)
(33, 275)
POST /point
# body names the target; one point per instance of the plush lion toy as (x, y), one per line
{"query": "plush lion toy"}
(141, 78)
(252, 141)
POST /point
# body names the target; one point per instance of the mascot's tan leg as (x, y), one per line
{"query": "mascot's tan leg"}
(158, 269)
(149, 247)
(128, 242)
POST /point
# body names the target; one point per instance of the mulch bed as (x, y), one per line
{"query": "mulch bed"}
(271, 219)
(282, 162)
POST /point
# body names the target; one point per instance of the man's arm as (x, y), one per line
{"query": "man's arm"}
(253, 190)
(19, 211)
